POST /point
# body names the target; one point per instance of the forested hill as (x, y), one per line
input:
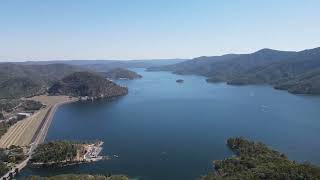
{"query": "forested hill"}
(22, 79)
(87, 84)
(120, 73)
(17, 80)
(297, 72)
(50, 72)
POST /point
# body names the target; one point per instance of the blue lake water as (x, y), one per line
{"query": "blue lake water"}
(164, 130)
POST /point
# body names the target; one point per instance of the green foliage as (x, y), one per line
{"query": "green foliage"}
(13, 154)
(8, 105)
(297, 72)
(57, 151)
(3, 168)
(12, 106)
(86, 84)
(4, 126)
(31, 105)
(256, 161)
(17, 87)
(19, 80)
(79, 176)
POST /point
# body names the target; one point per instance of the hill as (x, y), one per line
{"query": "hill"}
(120, 73)
(39, 73)
(297, 72)
(87, 84)
(16, 87)
(17, 80)
(306, 83)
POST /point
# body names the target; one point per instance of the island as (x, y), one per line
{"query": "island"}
(87, 85)
(121, 73)
(63, 153)
(180, 81)
(254, 160)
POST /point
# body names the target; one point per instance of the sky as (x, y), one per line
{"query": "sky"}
(153, 29)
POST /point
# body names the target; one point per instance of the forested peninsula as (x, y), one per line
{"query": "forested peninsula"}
(256, 161)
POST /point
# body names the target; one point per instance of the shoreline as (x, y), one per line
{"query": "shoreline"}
(26, 131)
(64, 164)
(24, 135)
(38, 136)
(46, 122)
(86, 153)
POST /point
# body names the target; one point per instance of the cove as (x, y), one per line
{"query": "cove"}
(168, 130)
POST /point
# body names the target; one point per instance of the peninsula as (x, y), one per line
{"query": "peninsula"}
(295, 71)
(255, 160)
(26, 115)
(86, 84)
(63, 153)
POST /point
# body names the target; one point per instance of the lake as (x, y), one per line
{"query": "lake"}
(165, 130)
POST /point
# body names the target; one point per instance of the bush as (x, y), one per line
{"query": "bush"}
(55, 152)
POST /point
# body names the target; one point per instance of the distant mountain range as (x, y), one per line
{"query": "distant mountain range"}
(297, 72)
(105, 65)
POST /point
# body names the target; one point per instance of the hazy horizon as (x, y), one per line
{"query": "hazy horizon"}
(150, 59)
(141, 30)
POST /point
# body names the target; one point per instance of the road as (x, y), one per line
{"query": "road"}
(39, 135)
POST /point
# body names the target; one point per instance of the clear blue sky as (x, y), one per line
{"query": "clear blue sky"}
(144, 29)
